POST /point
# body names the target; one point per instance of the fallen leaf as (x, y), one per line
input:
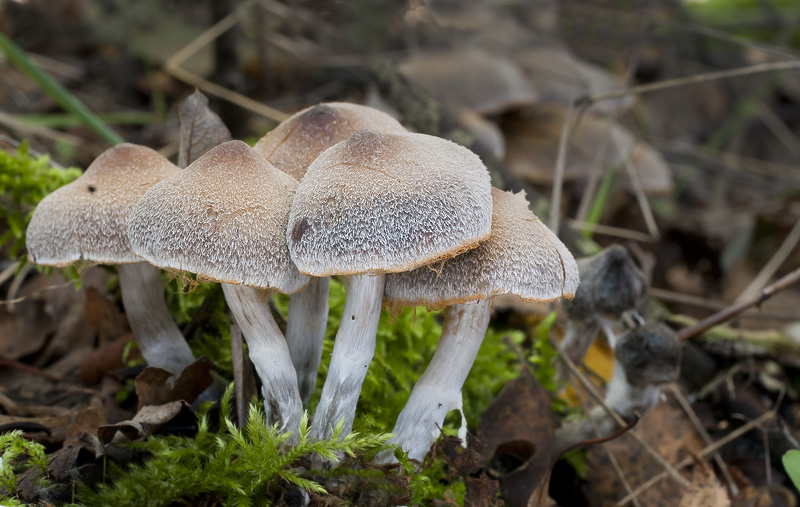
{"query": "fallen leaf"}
(667, 430)
(102, 313)
(468, 463)
(148, 420)
(201, 128)
(106, 358)
(517, 433)
(155, 387)
(705, 489)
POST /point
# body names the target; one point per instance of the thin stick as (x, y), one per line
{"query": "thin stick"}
(599, 399)
(561, 158)
(34, 294)
(690, 413)
(773, 264)
(713, 304)
(779, 129)
(735, 309)
(172, 67)
(638, 190)
(698, 78)
(703, 453)
(609, 230)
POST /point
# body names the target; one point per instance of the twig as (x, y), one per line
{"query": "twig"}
(699, 78)
(10, 363)
(735, 309)
(609, 230)
(172, 67)
(712, 304)
(561, 158)
(671, 472)
(704, 452)
(638, 190)
(46, 289)
(687, 408)
(779, 129)
(773, 264)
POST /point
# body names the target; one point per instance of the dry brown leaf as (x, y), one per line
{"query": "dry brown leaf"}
(705, 490)
(108, 357)
(144, 423)
(201, 129)
(155, 387)
(468, 463)
(103, 314)
(669, 432)
(517, 433)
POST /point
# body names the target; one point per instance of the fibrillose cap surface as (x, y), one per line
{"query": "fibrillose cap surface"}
(386, 202)
(88, 218)
(522, 257)
(224, 218)
(294, 144)
(649, 354)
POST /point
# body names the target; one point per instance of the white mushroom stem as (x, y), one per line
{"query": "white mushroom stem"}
(270, 355)
(352, 353)
(625, 399)
(305, 332)
(438, 390)
(161, 342)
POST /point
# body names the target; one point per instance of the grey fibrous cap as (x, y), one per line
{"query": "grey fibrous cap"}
(611, 283)
(649, 354)
(224, 218)
(294, 144)
(386, 202)
(487, 83)
(88, 218)
(522, 256)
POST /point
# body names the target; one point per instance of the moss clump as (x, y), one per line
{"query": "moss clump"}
(24, 181)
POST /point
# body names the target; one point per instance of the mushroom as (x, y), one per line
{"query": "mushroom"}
(484, 82)
(559, 76)
(379, 203)
(224, 218)
(523, 257)
(292, 146)
(87, 220)
(647, 358)
(611, 284)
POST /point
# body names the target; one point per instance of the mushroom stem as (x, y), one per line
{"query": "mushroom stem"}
(269, 354)
(438, 390)
(352, 353)
(625, 399)
(161, 342)
(305, 332)
(576, 342)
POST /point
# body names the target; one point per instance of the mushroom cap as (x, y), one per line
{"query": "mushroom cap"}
(532, 143)
(559, 76)
(88, 218)
(386, 202)
(522, 257)
(224, 218)
(487, 83)
(649, 354)
(611, 283)
(299, 140)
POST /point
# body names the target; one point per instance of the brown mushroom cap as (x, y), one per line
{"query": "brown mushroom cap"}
(224, 218)
(88, 218)
(487, 83)
(521, 257)
(297, 141)
(561, 77)
(532, 143)
(385, 202)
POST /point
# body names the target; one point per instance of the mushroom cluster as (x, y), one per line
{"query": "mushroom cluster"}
(337, 189)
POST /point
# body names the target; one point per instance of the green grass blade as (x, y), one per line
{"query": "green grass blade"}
(55, 91)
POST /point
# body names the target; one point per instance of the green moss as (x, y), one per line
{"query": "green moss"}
(16, 455)
(24, 181)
